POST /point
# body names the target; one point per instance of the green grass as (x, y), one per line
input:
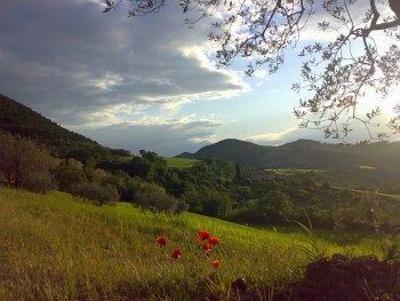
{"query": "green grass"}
(181, 162)
(54, 247)
(294, 171)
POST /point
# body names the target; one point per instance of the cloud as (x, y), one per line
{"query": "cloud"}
(274, 138)
(359, 133)
(166, 137)
(289, 135)
(76, 65)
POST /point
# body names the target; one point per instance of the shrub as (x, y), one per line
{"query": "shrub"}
(69, 174)
(212, 203)
(39, 182)
(96, 192)
(24, 163)
(276, 206)
(154, 197)
(131, 187)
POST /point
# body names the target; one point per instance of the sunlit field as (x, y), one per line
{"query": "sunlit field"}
(56, 247)
(181, 162)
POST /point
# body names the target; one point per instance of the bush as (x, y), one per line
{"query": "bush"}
(277, 207)
(24, 163)
(96, 192)
(212, 203)
(154, 197)
(69, 174)
(39, 182)
(131, 187)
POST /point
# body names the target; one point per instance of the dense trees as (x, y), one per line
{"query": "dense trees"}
(23, 163)
(18, 119)
(292, 200)
(26, 164)
(211, 187)
(143, 179)
(212, 203)
(305, 154)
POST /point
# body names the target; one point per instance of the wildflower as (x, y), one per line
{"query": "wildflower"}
(207, 248)
(203, 235)
(161, 240)
(176, 254)
(216, 264)
(214, 241)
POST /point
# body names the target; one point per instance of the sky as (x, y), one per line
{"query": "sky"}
(138, 83)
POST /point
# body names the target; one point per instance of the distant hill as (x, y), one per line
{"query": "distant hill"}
(303, 154)
(19, 119)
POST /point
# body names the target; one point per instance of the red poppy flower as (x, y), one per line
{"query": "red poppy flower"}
(214, 241)
(161, 240)
(207, 248)
(177, 253)
(216, 264)
(203, 235)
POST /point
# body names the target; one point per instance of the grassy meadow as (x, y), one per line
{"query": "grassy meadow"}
(181, 162)
(55, 247)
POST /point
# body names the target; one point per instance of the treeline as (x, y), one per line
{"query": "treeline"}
(144, 179)
(290, 200)
(211, 187)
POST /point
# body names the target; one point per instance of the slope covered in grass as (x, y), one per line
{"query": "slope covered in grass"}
(54, 247)
(181, 162)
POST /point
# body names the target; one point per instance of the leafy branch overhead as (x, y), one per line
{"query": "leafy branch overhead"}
(354, 51)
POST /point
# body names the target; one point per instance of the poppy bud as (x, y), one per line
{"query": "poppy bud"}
(176, 254)
(216, 264)
(161, 240)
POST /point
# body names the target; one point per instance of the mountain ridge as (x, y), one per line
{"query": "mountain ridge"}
(19, 119)
(302, 153)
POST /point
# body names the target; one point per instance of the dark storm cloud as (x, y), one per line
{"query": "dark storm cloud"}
(67, 60)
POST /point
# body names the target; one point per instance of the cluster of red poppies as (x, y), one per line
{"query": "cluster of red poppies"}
(204, 237)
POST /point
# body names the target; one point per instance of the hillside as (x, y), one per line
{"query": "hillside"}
(19, 119)
(55, 247)
(304, 154)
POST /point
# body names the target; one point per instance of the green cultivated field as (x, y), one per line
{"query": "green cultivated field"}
(181, 162)
(54, 247)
